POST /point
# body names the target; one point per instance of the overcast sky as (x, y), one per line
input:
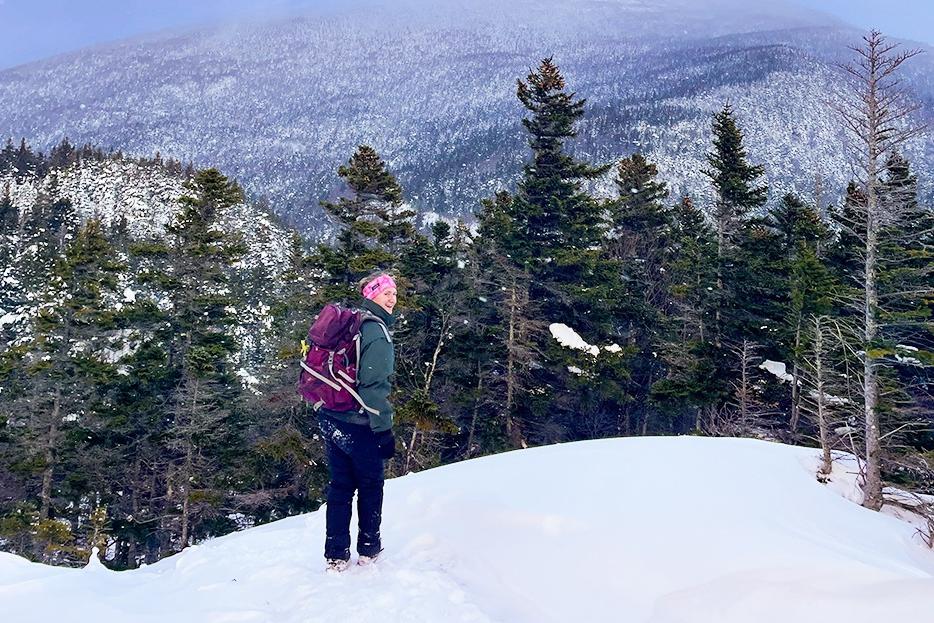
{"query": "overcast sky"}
(34, 29)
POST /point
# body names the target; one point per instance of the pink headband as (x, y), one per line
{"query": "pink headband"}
(372, 289)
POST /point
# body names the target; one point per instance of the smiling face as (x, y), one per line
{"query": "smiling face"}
(386, 299)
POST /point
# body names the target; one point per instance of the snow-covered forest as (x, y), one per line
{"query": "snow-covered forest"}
(279, 104)
(151, 319)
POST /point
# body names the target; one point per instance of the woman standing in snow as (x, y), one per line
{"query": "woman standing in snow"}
(358, 444)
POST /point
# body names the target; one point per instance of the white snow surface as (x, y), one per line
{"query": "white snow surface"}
(660, 530)
(776, 368)
(569, 338)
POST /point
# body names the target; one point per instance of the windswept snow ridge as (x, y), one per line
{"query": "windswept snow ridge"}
(660, 530)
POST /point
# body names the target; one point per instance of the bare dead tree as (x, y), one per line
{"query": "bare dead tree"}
(745, 408)
(822, 399)
(829, 389)
(877, 113)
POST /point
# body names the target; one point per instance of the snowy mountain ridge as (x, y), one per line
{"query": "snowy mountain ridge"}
(144, 200)
(711, 531)
(280, 103)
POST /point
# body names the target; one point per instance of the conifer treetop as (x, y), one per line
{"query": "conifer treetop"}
(368, 178)
(730, 171)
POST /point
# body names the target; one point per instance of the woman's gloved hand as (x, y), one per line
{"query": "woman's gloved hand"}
(386, 442)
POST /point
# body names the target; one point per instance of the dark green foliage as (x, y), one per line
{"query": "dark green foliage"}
(548, 250)
(733, 177)
(691, 383)
(640, 237)
(372, 226)
(53, 384)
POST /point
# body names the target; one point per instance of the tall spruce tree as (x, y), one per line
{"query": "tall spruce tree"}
(553, 234)
(639, 239)
(506, 329)
(691, 389)
(735, 181)
(372, 225)
(200, 346)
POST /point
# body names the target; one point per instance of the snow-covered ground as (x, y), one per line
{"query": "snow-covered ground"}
(662, 530)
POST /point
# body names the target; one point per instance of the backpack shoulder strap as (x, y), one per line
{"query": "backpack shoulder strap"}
(365, 315)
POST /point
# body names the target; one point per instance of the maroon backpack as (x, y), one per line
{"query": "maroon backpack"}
(329, 368)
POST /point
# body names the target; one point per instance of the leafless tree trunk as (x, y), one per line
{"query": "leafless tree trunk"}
(876, 114)
(721, 243)
(476, 411)
(45, 497)
(429, 375)
(820, 383)
(518, 298)
(795, 383)
(188, 471)
(743, 391)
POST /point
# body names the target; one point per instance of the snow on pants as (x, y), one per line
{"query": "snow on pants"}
(354, 465)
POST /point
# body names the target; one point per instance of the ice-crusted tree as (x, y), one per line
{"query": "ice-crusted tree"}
(283, 470)
(9, 216)
(829, 381)
(878, 114)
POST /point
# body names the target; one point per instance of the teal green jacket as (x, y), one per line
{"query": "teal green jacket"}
(376, 366)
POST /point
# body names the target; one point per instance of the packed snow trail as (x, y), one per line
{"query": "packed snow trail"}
(654, 530)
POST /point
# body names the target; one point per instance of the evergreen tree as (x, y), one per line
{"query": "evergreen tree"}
(735, 182)
(691, 388)
(552, 232)
(906, 300)
(560, 228)
(62, 155)
(639, 239)
(62, 366)
(372, 225)
(25, 162)
(807, 286)
(9, 217)
(7, 156)
(200, 346)
(284, 460)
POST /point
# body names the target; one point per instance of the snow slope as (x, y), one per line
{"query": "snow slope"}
(662, 530)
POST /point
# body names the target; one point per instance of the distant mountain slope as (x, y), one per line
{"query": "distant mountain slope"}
(281, 104)
(642, 530)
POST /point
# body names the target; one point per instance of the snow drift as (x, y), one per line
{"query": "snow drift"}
(662, 530)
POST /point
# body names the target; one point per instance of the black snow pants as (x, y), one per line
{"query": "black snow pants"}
(354, 465)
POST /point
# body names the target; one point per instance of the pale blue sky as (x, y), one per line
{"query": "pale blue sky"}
(905, 19)
(34, 29)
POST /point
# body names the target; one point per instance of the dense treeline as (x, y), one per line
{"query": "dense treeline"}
(723, 319)
(22, 161)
